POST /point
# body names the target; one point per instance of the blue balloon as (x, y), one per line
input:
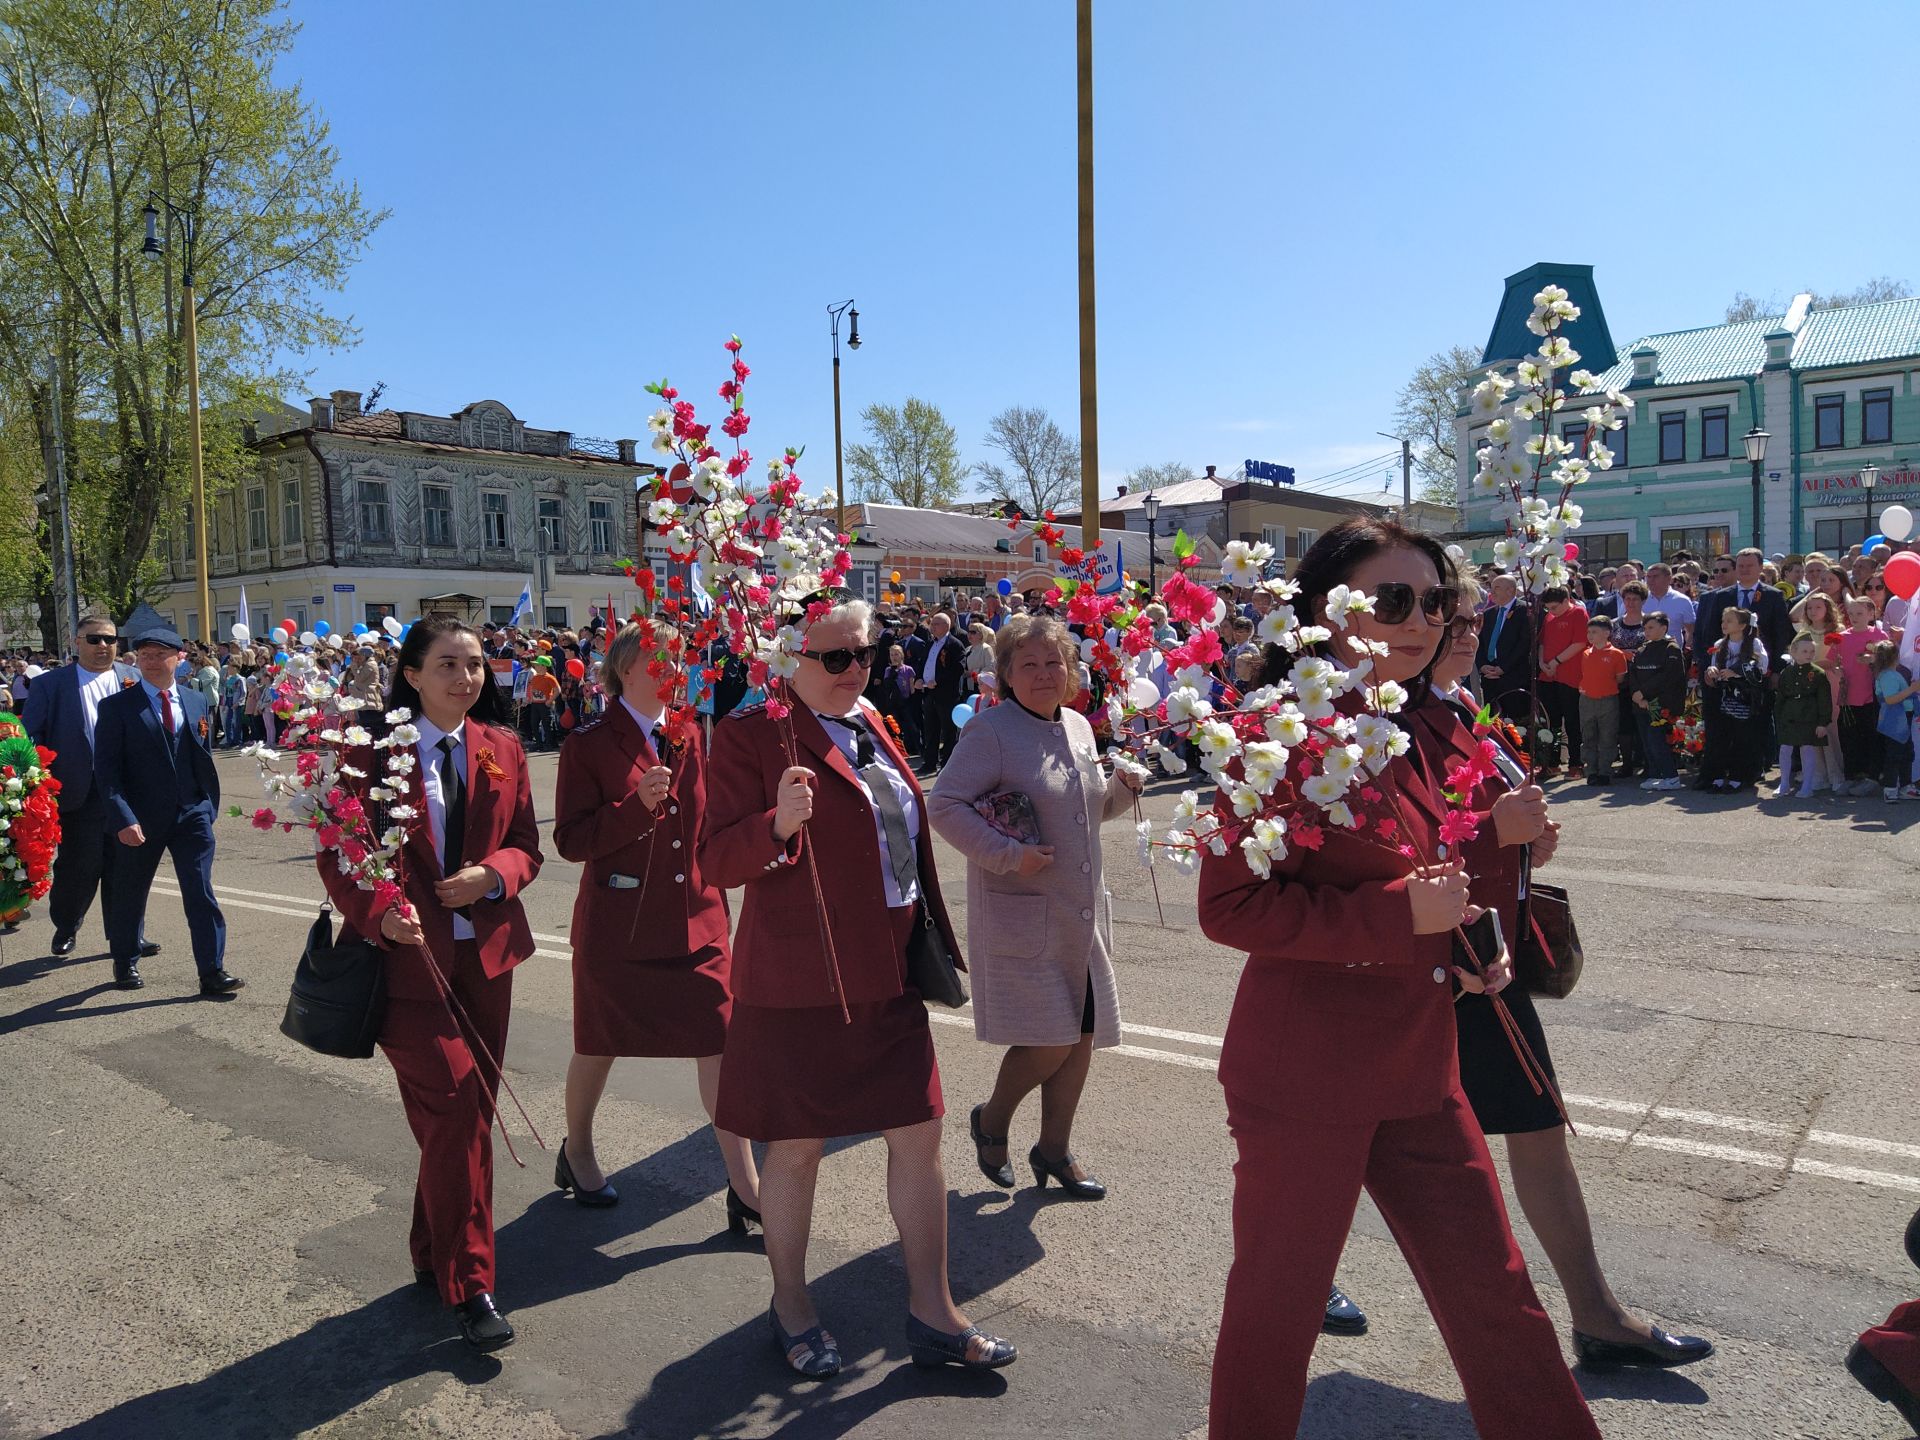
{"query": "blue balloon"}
(1005, 587)
(322, 629)
(962, 713)
(279, 657)
(1866, 545)
(359, 629)
(405, 628)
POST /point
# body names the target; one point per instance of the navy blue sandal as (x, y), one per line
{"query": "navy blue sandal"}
(930, 1347)
(812, 1352)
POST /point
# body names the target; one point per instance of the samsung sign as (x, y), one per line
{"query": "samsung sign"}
(1266, 470)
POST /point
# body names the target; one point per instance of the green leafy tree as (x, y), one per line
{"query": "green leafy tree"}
(1043, 461)
(1425, 414)
(911, 456)
(104, 103)
(1158, 477)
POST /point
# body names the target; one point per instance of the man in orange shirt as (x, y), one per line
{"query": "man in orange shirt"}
(542, 690)
(1603, 667)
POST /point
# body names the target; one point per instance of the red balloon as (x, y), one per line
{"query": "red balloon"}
(290, 627)
(1571, 553)
(1903, 575)
(576, 667)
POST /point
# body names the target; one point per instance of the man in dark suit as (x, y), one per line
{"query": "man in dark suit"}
(1504, 661)
(157, 777)
(60, 714)
(1748, 591)
(937, 678)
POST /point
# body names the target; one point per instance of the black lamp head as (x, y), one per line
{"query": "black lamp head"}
(853, 334)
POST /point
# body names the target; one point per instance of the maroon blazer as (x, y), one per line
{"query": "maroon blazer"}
(1444, 740)
(778, 958)
(601, 822)
(500, 834)
(1343, 1014)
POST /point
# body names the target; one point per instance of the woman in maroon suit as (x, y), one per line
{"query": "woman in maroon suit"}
(828, 1038)
(1394, 1120)
(472, 849)
(649, 936)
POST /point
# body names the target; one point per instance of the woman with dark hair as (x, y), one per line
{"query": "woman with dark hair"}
(451, 945)
(1349, 959)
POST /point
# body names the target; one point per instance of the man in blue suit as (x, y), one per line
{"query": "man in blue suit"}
(60, 713)
(156, 773)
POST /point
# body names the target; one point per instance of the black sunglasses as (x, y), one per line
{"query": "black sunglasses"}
(1393, 602)
(835, 662)
(1462, 626)
(101, 639)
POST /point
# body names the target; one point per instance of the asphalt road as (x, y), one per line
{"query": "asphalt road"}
(202, 1227)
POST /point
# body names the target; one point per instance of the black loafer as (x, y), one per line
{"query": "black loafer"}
(1883, 1384)
(149, 949)
(1660, 1351)
(127, 976)
(218, 984)
(1343, 1317)
(482, 1325)
(62, 944)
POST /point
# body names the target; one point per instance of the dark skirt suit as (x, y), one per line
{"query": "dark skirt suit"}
(448, 1090)
(650, 958)
(796, 1067)
(1338, 984)
(1496, 1083)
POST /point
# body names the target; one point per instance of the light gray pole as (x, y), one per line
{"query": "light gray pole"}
(72, 587)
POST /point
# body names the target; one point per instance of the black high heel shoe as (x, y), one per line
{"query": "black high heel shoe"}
(740, 1214)
(1062, 1171)
(1001, 1174)
(563, 1180)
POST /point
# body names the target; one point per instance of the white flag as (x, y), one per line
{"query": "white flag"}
(525, 605)
(243, 617)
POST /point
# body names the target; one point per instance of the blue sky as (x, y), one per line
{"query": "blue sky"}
(1295, 203)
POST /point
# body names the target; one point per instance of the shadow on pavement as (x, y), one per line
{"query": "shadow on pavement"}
(1661, 1387)
(74, 1006)
(1342, 1406)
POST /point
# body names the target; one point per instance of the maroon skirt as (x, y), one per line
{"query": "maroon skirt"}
(675, 1007)
(807, 1074)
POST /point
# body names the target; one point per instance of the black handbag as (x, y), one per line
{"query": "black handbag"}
(339, 999)
(1548, 959)
(932, 968)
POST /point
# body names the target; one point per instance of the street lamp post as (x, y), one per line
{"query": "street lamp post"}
(853, 343)
(190, 337)
(1869, 477)
(1756, 443)
(1151, 508)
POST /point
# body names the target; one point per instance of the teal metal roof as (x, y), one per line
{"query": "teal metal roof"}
(1687, 357)
(1859, 335)
(1510, 339)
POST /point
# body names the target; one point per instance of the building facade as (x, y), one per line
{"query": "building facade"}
(353, 517)
(1833, 390)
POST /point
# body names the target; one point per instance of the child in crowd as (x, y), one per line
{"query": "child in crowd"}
(1859, 714)
(1737, 668)
(1603, 665)
(1894, 690)
(1658, 678)
(1802, 715)
(900, 699)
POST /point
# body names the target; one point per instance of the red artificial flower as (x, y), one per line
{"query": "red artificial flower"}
(263, 819)
(1307, 837)
(1459, 827)
(735, 424)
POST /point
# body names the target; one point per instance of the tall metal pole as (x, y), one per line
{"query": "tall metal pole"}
(1406, 477)
(192, 337)
(1089, 386)
(839, 465)
(72, 586)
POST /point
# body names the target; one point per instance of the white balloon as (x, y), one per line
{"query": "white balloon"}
(1896, 522)
(391, 626)
(309, 639)
(242, 635)
(1143, 694)
(1454, 552)
(1219, 609)
(1086, 649)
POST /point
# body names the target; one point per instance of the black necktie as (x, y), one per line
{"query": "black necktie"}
(901, 856)
(453, 799)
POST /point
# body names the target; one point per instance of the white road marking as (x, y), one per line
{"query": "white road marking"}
(1639, 1109)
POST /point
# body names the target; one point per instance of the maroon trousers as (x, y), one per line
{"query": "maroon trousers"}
(1295, 1187)
(1895, 1343)
(449, 1093)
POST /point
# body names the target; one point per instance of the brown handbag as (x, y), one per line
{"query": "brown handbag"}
(1548, 959)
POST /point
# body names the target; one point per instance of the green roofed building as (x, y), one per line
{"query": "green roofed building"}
(1833, 390)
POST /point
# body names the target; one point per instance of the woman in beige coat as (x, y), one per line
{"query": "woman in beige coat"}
(1039, 919)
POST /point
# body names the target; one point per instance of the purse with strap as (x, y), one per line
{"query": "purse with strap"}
(932, 968)
(1548, 960)
(339, 999)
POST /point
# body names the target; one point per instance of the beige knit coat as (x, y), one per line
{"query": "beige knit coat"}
(1034, 941)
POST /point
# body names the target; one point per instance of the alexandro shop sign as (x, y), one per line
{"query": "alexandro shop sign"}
(1845, 489)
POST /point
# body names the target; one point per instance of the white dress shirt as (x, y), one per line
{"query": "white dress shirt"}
(172, 692)
(648, 724)
(933, 657)
(427, 751)
(847, 744)
(94, 689)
